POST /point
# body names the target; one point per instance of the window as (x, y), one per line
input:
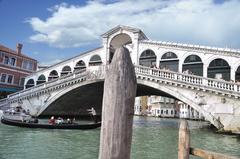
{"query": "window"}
(22, 81)
(3, 78)
(12, 61)
(95, 60)
(6, 60)
(10, 79)
(27, 65)
(1, 54)
(166, 111)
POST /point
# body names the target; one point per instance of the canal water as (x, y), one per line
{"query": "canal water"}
(153, 138)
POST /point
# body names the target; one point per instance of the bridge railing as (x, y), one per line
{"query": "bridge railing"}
(48, 84)
(189, 79)
(150, 72)
(90, 73)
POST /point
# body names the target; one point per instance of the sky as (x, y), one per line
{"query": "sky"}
(54, 30)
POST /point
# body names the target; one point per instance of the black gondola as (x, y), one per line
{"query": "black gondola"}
(49, 126)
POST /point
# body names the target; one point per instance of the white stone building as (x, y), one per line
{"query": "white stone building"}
(187, 112)
(162, 106)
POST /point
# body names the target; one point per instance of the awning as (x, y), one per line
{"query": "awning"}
(8, 89)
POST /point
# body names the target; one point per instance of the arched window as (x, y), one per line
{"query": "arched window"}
(148, 58)
(169, 55)
(237, 75)
(53, 75)
(219, 69)
(66, 70)
(169, 61)
(41, 79)
(80, 66)
(95, 60)
(30, 83)
(193, 65)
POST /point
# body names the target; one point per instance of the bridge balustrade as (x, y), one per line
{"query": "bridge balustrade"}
(164, 74)
(48, 84)
(188, 79)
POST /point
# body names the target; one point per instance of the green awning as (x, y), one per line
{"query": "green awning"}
(8, 90)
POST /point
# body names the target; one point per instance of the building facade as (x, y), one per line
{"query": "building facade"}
(187, 112)
(14, 67)
(162, 106)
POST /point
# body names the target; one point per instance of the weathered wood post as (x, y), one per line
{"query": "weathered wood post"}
(183, 140)
(118, 107)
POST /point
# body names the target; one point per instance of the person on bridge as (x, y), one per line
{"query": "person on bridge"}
(93, 114)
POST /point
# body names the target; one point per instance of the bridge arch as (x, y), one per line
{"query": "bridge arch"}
(41, 79)
(95, 60)
(220, 69)
(30, 83)
(148, 58)
(193, 63)
(66, 70)
(53, 75)
(116, 41)
(165, 90)
(169, 60)
(144, 88)
(80, 65)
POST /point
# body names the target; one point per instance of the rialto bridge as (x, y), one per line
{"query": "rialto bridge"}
(205, 78)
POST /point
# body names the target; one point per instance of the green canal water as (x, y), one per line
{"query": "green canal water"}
(153, 138)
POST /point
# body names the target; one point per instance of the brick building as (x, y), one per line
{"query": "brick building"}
(14, 67)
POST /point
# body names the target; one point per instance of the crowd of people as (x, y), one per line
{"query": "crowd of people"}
(60, 120)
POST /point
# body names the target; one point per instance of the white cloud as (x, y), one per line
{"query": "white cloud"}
(188, 21)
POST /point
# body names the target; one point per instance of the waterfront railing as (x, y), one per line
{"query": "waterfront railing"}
(184, 149)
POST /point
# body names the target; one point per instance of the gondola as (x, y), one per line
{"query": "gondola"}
(49, 126)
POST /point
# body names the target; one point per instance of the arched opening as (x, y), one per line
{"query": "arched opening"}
(169, 61)
(119, 40)
(80, 66)
(66, 70)
(41, 79)
(95, 60)
(219, 69)
(30, 83)
(237, 75)
(148, 58)
(53, 75)
(193, 65)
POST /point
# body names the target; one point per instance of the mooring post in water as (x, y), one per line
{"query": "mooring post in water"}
(118, 107)
(183, 140)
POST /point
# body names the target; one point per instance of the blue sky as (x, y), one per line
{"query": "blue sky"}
(53, 30)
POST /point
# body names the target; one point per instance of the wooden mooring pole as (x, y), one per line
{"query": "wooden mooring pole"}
(184, 149)
(118, 107)
(183, 141)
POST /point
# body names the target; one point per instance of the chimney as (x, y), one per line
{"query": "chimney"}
(19, 48)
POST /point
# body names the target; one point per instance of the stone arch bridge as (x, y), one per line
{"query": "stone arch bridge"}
(217, 100)
(206, 78)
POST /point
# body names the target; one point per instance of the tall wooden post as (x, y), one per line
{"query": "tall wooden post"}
(144, 104)
(118, 107)
(183, 141)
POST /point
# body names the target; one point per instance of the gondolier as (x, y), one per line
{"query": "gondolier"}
(93, 114)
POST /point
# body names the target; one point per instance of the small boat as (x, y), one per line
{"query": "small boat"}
(50, 126)
(22, 119)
